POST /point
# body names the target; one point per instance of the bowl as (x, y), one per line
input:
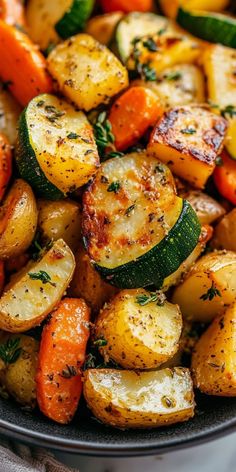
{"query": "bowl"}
(215, 417)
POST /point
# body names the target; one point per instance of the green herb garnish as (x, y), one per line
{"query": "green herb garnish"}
(10, 351)
(188, 131)
(114, 187)
(72, 135)
(112, 154)
(228, 111)
(147, 73)
(130, 209)
(158, 297)
(100, 342)
(43, 276)
(150, 44)
(103, 133)
(211, 293)
(173, 76)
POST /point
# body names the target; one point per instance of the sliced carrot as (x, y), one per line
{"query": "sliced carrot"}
(132, 114)
(22, 66)
(225, 178)
(61, 355)
(5, 164)
(12, 12)
(126, 5)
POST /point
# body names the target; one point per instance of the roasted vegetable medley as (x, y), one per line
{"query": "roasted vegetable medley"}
(118, 207)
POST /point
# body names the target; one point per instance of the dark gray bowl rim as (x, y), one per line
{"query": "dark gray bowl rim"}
(33, 438)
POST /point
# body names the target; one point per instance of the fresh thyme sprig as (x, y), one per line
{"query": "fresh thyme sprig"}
(43, 276)
(10, 351)
(211, 293)
(103, 133)
(158, 297)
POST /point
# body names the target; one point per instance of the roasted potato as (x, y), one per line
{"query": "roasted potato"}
(9, 115)
(188, 139)
(60, 220)
(18, 220)
(18, 377)
(36, 290)
(225, 232)
(209, 287)
(140, 331)
(178, 85)
(102, 27)
(86, 71)
(214, 357)
(127, 399)
(88, 284)
(207, 208)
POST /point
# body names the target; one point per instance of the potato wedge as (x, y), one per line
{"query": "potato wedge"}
(208, 210)
(214, 356)
(225, 233)
(139, 334)
(209, 287)
(86, 71)
(18, 220)
(60, 219)
(189, 139)
(88, 284)
(18, 378)
(127, 399)
(9, 114)
(36, 290)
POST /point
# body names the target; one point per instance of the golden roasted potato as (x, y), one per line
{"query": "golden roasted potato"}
(209, 287)
(225, 232)
(140, 330)
(178, 85)
(37, 289)
(207, 208)
(188, 139)
(18, 220)
(214, 357)
(128, 399)
(9, 114)
(18, 377)
(102, 27)
(86, 71)
(88, 284)
(60, 220)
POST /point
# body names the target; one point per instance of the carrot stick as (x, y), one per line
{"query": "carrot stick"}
(12, 12)
(61, 355)
(22, 66)
(126, 5)
(132, 114)
(225, 178)
(5, 164)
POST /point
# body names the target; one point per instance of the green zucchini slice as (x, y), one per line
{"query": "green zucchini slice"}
(74, 20)
(136, 230)
(213, 27)
(56, 150)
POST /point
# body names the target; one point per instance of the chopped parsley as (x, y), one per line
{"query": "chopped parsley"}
(10, 351)
(103, 133)
(188, 131)
(173, 75)
(228, 111)
(130, 209)
(72, 135)
(146, 72)
(158, 297)
(100, 342)
(211, 293)
(114, 187)
(112, 154)
(69, 371)
(43, 276)
(150, 44)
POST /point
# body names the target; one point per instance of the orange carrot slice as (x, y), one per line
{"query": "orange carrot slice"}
(12, 12)
(22, 66)
(132, 114)
(126, 5)
(61, 355)
(5, 164)
(225, 178)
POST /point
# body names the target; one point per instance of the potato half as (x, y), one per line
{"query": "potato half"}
(36, 290)
(128, 399)
(139, 334)
(18, 220)
(209, 287)
(225, 232)
(214, 357)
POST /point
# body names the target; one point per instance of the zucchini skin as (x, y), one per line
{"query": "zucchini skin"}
(28, 166)
(215, 28)
(162, 260)
(74, 20)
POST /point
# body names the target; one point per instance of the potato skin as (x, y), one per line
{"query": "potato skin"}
(88, 284)
(18, 220)
(214, 357)
(138, 337)
(208, 210)
(225, 232)
(127, 399)
(19, 377)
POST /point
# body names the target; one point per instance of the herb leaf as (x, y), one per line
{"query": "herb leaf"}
(173, 76)
(157, 297)
(72, 135)
(114, 187)
(188, 131)
(103, 133)
(150, 44)
(69, 371)
(211, 293)
(130, 209)
(10, 351)
(228, 111)
(41, 275)
(100, 342)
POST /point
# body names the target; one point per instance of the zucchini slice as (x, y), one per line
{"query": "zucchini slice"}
(212, 27)
(33, 292)
(50, 21)
(56, 152)
(136, 25)
(136, 230)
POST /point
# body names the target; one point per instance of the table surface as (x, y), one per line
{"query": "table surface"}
(217, 456)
